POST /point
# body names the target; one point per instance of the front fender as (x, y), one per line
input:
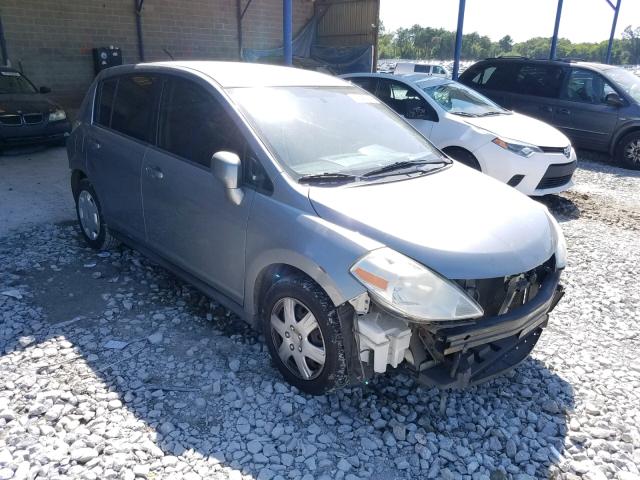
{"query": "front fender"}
(279, 234)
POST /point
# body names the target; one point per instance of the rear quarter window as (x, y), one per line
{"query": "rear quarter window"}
(104, 102)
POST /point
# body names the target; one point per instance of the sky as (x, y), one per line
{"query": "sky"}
(582, 20)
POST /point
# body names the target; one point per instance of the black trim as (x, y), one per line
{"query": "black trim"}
(557, 175)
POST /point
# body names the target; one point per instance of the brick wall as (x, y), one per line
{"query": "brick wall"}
(51, 40)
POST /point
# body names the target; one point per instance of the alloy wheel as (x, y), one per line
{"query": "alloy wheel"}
(632, 151)
(297, 338)
(88, 214)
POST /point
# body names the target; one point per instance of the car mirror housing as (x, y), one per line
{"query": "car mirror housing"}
(614, 100)
(45, 90)
(227, 168)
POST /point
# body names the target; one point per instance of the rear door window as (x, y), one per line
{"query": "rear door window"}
(539, 80)
(586, 86)
(194, 125)
(104, 104)
(134, 107)
(368, 83)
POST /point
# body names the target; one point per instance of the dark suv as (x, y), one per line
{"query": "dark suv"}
(597, 106)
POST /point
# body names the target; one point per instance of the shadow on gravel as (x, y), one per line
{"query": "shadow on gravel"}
(563, 208)
(602, 163)
(203, 383)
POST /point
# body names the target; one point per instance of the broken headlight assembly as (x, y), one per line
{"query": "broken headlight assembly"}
(524, 150)
(412, 290)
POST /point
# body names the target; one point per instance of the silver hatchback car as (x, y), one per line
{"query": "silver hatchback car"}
(318, 215)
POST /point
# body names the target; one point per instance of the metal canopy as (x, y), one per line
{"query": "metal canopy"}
(554, 39)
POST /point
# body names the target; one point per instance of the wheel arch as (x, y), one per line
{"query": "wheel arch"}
(620, 134)
(458, 148)
(76, 177)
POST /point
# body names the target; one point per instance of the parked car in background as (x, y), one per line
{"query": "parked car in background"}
(518, 150)
(26, 115)
(408, 67)
(597, 106)
(319, 216)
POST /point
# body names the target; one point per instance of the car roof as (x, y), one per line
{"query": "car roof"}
(559, 61)
(242, 74)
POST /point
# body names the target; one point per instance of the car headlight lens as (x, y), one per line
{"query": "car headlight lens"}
(521, 149)
(57, 116)
(561, 242)
(411, 289)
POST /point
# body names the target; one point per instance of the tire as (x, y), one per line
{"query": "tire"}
(463, 156)
(627, 153)
(291, 343)
(90, 219)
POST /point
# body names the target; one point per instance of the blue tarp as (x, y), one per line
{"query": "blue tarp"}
(307, 54)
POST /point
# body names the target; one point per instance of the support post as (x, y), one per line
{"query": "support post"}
(3, 46)
(556, 28)
(458, 48)
(613, 31)
(138, 11)
(287, 28)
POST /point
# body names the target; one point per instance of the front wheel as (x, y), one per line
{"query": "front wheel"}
(627, 152)
(302, 331)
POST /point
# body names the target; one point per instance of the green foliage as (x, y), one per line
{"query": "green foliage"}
(419, 42)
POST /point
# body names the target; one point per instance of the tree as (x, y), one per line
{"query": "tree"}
(505, 44)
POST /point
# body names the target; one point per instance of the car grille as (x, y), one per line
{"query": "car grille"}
(31, 118)
(557, 175)
(566, 151)
(553, 182)
(499, 295)
(10, 120)
(15, 120)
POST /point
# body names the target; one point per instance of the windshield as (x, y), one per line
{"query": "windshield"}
(460, 100)
(14, 82)
(627, 81)
(336, 130)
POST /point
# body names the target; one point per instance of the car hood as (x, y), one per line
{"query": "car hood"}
(26, 103)
(459, 222)
(521, 128)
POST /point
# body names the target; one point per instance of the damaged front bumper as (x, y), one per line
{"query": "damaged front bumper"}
(450, 355)
(465, 355)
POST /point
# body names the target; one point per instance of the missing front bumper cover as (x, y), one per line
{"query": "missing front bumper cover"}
(472, 354)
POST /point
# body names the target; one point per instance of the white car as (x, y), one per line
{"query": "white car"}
(520, 151)
(427, 69)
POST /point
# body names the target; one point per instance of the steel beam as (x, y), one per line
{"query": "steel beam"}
(556, 28)
(287, 29)
(458, 49)
(613, 29)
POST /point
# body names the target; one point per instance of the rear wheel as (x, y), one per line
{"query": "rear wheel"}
(302, 331)
(627, 152)
(92, 225)
(463, 156)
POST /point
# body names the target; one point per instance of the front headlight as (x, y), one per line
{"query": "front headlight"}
(411, 289)
(57, 116)
(522, 149)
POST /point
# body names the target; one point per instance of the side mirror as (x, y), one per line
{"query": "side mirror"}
(614, 100)
(227, 168)
(45, 90)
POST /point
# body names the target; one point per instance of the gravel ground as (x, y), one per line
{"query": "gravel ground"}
(110, 367)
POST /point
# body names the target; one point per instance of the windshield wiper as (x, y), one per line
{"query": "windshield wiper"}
(488, 114)
(327, 177)
(401, 166)
(464, 114)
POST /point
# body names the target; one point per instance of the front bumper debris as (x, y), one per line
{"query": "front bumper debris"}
(469, 354)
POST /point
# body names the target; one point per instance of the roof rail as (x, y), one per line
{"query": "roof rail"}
(570, 59)
(508, 56)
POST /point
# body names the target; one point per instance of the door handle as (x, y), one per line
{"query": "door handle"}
(154, 172)
(95, 143)
(546, 108)
(563, 111)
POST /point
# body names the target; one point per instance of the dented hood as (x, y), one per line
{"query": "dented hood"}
(459, 222)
